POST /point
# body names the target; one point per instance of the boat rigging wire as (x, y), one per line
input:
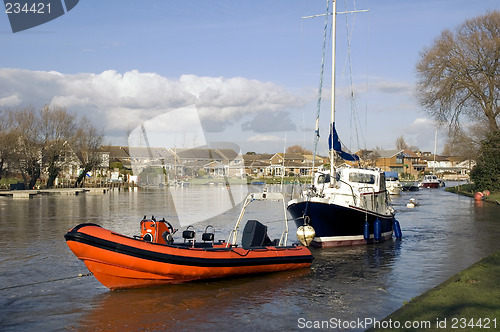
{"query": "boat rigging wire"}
(320, 89)
(80, 275)
(355, 118)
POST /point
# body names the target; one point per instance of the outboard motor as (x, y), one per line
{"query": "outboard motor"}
(157, 231)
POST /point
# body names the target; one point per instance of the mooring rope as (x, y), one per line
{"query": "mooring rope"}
(80, 275)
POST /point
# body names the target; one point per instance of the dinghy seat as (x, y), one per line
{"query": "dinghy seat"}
(255, 235)
(189, 235)
(208, 237)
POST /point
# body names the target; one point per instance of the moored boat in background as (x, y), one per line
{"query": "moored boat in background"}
(343, 205)
(410, 186)
(353, 209)
(392, 184)
(431, 181)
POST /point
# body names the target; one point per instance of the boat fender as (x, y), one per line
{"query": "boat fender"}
(305, 234)
(377, 230)
(366, 231)
(397, 230)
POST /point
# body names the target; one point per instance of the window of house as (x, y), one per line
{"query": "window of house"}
(399, 159)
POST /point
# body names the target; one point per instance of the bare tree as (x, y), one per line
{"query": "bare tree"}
(460, 74)
(298, 149)
(8, 141)
(87, 147)
(28, 145)
(465, 145)
(58, 129)
(369, 157)
(44, 142)
(401, 143)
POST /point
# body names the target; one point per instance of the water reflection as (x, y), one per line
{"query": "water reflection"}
(205, 305)
(331, 286)
(442, 236)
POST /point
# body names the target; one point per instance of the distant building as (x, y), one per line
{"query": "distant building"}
(279, 164)
(416, 163)
(400, 161)
(179, 162)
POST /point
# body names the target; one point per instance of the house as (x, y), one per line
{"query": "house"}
(311, 160)
(118, 154)
(279, 164)
(400, 161)
(289, 163)
(390, 160)
(416, 163)
(216, 162)
(257, 164)
(178, 162)
(449, 167)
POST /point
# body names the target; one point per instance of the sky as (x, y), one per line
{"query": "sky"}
(249, 71)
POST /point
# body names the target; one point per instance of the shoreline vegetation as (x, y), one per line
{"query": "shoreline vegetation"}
(470, 190)
(5, 183)
(469, 300)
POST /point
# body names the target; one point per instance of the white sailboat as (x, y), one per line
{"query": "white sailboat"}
(344, 205)
(431, 180)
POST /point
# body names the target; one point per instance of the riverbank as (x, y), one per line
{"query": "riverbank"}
(469, 300)
(469, 190)
(54, 191)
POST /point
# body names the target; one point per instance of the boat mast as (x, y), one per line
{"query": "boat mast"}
(435, 148)
(332, 120)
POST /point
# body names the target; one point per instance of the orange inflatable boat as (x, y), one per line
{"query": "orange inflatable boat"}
(153, 258)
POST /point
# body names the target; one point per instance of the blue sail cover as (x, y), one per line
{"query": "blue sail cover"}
(338, 147)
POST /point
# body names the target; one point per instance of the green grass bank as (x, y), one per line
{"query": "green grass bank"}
(468, 301)
(470, 190)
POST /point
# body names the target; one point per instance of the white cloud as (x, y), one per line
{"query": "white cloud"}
(420, 123)
(178, 128)
(270, 122)
(391, 87)
(119, 102)
(265, 138)
(10, 101)
(421, 133)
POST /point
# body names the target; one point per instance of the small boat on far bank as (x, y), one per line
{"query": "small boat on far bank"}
(154, 258)
(410, 186)
(431, 181)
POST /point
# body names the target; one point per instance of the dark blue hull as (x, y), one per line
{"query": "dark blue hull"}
(338, 225)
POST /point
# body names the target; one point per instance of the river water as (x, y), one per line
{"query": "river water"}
(40, 288)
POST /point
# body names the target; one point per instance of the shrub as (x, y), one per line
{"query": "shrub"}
(486, 173)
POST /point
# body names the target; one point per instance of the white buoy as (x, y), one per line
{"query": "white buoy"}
(412, 203)
(305, 234)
